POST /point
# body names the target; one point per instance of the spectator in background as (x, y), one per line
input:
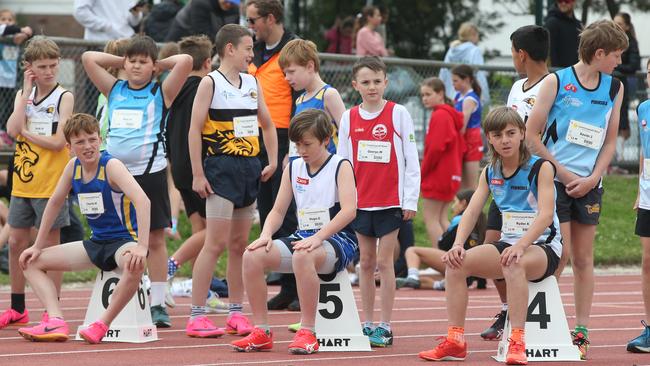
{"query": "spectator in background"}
(9, 67)
(159, 21)
(564, 29)
(203, 17)
(339, 37)
(107, 20)
(368, 41)
(630, 64)
(8, 27)
(464, 50)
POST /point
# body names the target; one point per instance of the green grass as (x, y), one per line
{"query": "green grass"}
(615, 240)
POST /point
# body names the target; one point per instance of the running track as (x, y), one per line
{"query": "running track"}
(419, 316)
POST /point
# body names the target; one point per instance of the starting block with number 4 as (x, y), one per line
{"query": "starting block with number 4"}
(337, 320)
(133, 324)
(547, 331)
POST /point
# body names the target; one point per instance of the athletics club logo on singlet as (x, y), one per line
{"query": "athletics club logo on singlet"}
(570, 87)
(380, 131)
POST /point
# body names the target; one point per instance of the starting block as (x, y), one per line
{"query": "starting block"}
(337, 320)
(547, 330)
(133, 324)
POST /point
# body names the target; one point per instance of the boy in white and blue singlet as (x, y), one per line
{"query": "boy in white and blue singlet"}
(108, 196)
(137, 118)
(642, 206)
(324, 190)
(530, 245)
(576, 114)
(300, 63)
(530, 47)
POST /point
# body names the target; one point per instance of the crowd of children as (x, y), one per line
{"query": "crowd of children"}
(548, 149)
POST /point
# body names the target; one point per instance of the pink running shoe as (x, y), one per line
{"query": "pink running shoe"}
(54, 330)
(238, 324)
(257, 340)
(202, 327)
(94, 333)
(12, 317)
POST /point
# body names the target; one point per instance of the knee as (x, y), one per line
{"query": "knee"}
(133, 275)
(252, 260)
(581, 263)
(646, 264)
(512, 271)
(452, 273)
(367, 263)
(16, 246)
(302, 259)
(385, 264)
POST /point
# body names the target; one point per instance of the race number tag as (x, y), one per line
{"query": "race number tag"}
(313, 218)
(517, 223)
(91, 203)
(374, 151)
(646, 169)
(127, 118)
(245, 126)
(293, 150)
(584, 134)
(41, 127)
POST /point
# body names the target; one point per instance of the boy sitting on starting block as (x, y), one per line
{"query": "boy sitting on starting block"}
(324, 189)
(107, 195)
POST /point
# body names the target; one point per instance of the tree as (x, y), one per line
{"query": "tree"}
(611, 7)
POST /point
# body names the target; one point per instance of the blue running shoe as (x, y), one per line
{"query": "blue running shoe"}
(641, 344)
(367, 331)
(381, 337)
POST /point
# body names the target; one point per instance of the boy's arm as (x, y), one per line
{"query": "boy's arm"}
(344, 147)
(581, 186)
(17, 120)
(54, 204)
(269, 134)
(95, 63)
(199, 115)
(411, 160)
(120, 178)
(536, 125)
(57, 141)
(334, 105)
(276, 215)
(180, 66)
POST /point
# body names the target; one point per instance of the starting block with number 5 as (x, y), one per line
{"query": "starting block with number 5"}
(337, 320)
(133, 324)
(547, 330)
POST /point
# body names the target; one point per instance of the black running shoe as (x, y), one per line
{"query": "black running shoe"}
(495, 331)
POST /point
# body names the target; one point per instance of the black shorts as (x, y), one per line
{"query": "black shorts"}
(585, 210)
(552, 259)
(193, 202)
(235, 178)
(155, 186)
(494, 220)
(102, 253)
(378, 223)
(642, 223)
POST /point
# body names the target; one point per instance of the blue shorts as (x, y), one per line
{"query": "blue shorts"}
(235, 178)
(345, 246)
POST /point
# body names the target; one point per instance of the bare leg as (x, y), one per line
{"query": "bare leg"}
(470, 175)
(126, 287)
(431, 211)
(492, 236)
(239, 232)
(367, 264)
(216, 237)
(157, 259)
(582, 259)
(387, 244)
(565, 227)
(645, 275)
(305, 265)
(255, 263)
(530, 267)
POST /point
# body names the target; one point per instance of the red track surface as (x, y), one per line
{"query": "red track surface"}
(419, 316)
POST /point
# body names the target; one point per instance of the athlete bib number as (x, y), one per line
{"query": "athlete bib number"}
(374, 151)
(646, 169)
(245, 126)
(517, 223)
(313, 219)
(127, 118)
(91, 203)
(40, 127)
(584, 134)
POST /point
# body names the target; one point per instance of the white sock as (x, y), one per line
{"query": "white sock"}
(414, 273)
(504, 307)
(158, 293)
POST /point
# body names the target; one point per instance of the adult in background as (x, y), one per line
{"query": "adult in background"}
(266, 19)
(159, 21)
(464, 50)
(564, 29)
(339, 37)
(630, 64)
(107, 20)
(203, 17)
(368, 41)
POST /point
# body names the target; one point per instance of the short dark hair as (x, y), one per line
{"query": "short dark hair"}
(142, 46)
(229, 33)
(199, 47)
(533, 39)
(312, 120)
(266, 7)
(80, 122)
(374, 63)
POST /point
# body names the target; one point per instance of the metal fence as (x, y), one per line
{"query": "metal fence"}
(404, 77)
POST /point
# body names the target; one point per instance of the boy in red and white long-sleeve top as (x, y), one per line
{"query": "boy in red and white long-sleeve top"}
(378, 137)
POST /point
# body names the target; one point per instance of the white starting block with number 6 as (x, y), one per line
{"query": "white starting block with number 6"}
(547, 331)
(133, 324)
(337, 321)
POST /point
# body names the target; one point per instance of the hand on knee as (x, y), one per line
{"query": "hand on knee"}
(455, 274)
(513, 271)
